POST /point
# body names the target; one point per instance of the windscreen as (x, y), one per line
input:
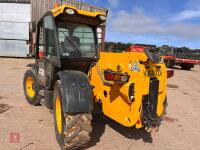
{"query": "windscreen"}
(77, 40)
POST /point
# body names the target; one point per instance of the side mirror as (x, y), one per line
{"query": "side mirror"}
(32, 27)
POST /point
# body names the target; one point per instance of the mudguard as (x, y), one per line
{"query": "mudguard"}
(76, 92)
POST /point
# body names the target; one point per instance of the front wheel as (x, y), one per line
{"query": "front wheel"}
(72, 130)
(31, 87)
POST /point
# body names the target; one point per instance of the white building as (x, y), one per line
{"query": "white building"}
(15, 16)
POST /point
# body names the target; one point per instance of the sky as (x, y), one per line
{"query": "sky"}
(159, 22)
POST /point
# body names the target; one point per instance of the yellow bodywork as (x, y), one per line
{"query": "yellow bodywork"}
(59, 10)
(115, 100)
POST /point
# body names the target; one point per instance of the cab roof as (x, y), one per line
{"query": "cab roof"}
(60, 10)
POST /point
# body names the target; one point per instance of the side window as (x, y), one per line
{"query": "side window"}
(50, 41)
(41, 42)
(100, 37)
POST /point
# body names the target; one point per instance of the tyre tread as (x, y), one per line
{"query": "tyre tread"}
(77, 135)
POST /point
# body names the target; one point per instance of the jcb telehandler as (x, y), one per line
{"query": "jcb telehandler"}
(66, 48)
(130, 88)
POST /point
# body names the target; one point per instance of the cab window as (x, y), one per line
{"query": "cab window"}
(41, 45)
(50, 41)
(77, 40)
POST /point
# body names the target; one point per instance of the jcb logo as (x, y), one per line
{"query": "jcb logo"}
(152, 73)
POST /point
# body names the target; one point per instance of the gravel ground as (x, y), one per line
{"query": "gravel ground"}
(24, 127)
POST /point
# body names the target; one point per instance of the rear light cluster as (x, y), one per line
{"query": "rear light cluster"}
(117, 77)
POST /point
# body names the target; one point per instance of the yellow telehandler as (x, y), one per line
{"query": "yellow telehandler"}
(71, 77)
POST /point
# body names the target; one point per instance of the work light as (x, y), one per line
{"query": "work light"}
(102, 17)
(124, 78)
(70, 11)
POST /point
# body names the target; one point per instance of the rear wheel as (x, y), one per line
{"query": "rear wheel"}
(30, 87)
(72, 130)
(186, 66)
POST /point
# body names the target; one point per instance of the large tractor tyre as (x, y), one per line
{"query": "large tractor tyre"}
(72, 130)
(31, 87)
(186, 67)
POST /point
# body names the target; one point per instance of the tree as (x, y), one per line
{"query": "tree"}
(116, 47)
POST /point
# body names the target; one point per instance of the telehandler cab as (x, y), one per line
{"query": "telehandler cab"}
(69, 78)
(66, 48)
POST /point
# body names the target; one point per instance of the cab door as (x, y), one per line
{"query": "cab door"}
(47, 51)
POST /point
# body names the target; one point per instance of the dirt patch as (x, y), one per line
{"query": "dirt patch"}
(4, 108)
(40, 120)
(185, 93)
(173, 86)
(170, 119)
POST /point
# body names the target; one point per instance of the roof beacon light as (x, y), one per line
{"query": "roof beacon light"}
(56, 5)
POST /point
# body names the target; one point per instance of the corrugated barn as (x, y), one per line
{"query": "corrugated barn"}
(15, 16)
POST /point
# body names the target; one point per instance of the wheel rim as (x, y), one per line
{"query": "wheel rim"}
(29, 87)
(58, 115)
